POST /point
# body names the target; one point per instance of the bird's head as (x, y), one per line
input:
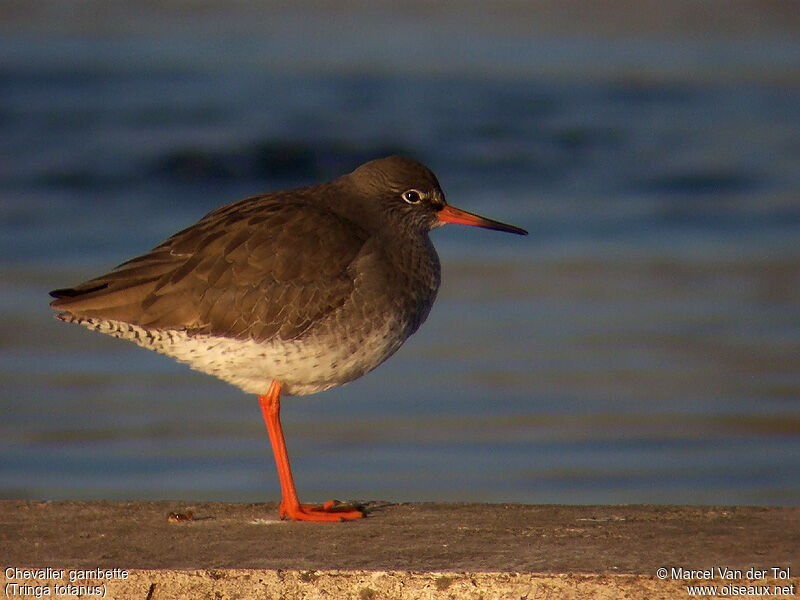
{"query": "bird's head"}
(407, 192)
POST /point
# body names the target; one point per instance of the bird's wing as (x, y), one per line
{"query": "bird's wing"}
(260, 268)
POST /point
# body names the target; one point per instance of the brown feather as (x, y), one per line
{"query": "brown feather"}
(215, 276)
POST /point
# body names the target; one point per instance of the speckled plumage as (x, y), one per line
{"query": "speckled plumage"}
(312, 287)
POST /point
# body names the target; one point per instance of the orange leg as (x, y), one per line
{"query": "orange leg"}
(290, 505)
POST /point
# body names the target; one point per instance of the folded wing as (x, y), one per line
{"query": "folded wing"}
(260, 268)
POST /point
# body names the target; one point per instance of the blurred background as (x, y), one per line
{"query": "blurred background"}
(642, 345)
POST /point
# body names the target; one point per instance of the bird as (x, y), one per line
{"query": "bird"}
(291, 292)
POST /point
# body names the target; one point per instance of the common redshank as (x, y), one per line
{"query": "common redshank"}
(296, 291)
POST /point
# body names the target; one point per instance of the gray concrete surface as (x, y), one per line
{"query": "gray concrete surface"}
(418, 537)
(399, 551)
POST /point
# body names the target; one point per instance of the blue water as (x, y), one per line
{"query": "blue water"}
(641, 345)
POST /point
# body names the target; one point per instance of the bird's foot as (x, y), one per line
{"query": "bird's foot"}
(331, 511)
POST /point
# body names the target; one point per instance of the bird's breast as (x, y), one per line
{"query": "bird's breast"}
(400, 278)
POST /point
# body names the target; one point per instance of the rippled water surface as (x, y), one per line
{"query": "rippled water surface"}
(641, 345)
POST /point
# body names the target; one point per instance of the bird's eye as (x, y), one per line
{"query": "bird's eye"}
(412, 196)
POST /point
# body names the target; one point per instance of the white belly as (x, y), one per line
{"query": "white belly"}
(303, 367)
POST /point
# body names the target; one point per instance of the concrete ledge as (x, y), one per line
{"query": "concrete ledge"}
(400, 551)
(378, 585)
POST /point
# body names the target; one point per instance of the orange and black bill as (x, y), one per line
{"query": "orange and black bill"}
(455, 215)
